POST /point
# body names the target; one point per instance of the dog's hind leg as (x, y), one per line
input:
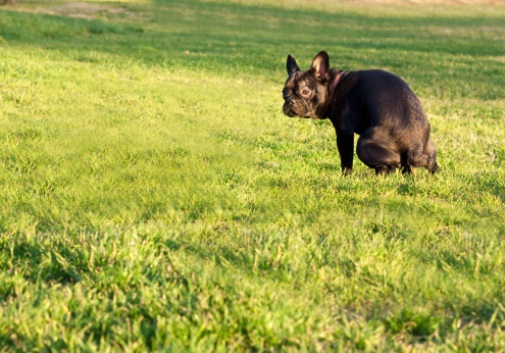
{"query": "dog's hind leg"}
(426, 158)
(377, 154)
(406, 169)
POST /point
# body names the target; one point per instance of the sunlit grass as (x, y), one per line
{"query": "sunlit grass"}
(154, 197)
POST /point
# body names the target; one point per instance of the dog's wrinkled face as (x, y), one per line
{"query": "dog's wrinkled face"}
(305, 92)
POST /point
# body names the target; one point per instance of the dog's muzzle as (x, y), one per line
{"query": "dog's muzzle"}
(288, 109)
(294, 107)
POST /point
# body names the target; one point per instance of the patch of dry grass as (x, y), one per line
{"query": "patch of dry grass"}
(75, 9)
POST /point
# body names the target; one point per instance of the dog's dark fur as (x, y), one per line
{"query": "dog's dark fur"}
(377, 105)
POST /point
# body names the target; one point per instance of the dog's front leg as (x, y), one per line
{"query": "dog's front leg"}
(345, 145)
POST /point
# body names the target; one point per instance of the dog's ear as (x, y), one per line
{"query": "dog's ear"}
(291, 65)
(321, 66)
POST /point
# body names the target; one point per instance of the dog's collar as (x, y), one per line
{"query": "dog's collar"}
(335, 81)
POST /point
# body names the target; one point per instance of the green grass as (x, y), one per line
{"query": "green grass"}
(154, 197)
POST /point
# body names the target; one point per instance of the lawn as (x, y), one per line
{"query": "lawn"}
(153, 196)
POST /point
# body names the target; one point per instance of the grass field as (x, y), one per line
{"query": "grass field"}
(154, 197)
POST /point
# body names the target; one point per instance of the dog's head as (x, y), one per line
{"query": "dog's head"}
(306, 93)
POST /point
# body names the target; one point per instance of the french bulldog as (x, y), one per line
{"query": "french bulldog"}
(375, 104)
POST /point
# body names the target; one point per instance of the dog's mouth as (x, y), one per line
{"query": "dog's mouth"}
(296, 108)
(289, 111)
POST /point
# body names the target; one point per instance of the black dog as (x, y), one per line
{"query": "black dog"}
(377, 105)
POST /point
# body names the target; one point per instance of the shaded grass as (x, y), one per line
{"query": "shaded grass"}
(154, 197)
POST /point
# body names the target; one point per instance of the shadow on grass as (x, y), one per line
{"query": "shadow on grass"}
(251, 38)
(54, 264)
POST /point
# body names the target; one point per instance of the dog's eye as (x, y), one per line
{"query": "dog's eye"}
(305, 92)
